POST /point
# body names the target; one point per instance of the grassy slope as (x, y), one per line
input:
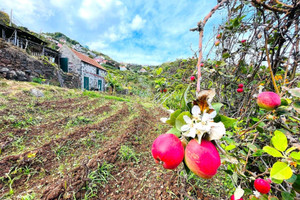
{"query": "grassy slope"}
(84, 146)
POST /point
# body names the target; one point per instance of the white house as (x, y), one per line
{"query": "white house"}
(92, 74)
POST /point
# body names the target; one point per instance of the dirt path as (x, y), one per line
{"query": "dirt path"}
(86, 148)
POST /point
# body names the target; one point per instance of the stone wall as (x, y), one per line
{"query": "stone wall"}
(16, 64)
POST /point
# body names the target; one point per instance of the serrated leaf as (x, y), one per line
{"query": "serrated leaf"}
(174, 131)
(286, 196)
(180, 121)
(289, 150)
(173, 117)
(272, 151)
(292, 179)
(279, 141)
(281, 171)
(217, 106)
(295, 155)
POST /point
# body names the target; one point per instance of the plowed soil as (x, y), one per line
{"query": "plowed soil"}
(69, 146)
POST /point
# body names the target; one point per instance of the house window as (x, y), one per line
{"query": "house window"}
(97, 71)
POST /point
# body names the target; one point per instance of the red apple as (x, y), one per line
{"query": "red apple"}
(239, 90)
(219, 36)
(202, 159)
(243, 41)
(268, 100)
(202, 64)
(192, 78)
(217, 43)
(165, 90)
(168, 149)
(262, 186)
(232, 198)
(241, 85)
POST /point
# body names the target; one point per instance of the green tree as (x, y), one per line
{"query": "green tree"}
(4, 18)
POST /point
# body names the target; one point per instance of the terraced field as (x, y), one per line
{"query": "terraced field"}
(74, 145)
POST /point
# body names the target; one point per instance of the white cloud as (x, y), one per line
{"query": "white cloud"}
(137, 23)
(27, 13)
(60, 3)
(97, 12)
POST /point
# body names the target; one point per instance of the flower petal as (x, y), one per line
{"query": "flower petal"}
(239, 192)
(191, 133)
(163, 119)
(202, 128)
(206, 117)
(196, 110)
(187, 119)
(185, 128)
(213, 114)
(217, 130)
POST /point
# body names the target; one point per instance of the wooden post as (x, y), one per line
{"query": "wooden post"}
(3, 34)
(15, 39)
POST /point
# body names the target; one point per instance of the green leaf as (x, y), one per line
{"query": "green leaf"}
(285, 102)
(296, 184)
(173, 117)
(296, 105)
(263, 197)
(159, 71)
(227, 121)
(286, 196)
(295, 155)
(230, 147)
(276, 181)
(174, 131)
(183, 102)
(217, 106)
(292, 179)
(279, 141)
(273, 152)
(289, 150)
(281, 171)
(180, 121)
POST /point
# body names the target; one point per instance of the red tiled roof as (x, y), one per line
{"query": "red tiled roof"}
(88, 60)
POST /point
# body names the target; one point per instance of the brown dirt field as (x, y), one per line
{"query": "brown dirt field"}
(87, 148)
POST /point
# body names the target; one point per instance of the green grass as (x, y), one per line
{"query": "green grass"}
(128, 154)
(97, 179)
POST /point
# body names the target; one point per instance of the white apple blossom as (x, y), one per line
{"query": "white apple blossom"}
(256, 194)
(239, 192)
(201, 124)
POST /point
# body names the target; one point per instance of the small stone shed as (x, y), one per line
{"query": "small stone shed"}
(92, 74)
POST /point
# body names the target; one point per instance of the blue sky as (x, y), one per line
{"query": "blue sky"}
(134, 31)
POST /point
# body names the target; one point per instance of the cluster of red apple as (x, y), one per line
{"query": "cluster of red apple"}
(240, 88)
(163, 90)
(261, 185)
(202, 159)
